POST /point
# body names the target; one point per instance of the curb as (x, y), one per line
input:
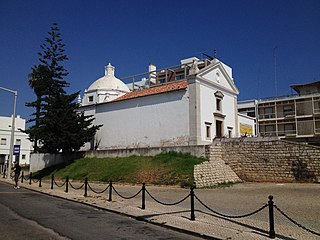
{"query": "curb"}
(138, 218)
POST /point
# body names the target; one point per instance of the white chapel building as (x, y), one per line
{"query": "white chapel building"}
(188, 104)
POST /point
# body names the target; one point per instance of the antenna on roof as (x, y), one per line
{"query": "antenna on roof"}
(207, 56)
(215, 53)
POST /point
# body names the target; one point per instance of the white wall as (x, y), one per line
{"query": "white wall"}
(88, 110)
(155, 120)
(246, 122)
(43, 160)
(208, 108)
(212, 80)
(163, 119)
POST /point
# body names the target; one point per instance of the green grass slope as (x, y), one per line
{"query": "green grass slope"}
(164, 169)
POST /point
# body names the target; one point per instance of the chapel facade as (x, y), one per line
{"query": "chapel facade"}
(188, 104)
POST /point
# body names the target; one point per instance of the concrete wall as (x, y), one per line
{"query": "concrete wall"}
(43, 160)
(198, 151)
(272, 160)
(40, 161)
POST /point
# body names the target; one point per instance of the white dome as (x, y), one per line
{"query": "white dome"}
(109, 82)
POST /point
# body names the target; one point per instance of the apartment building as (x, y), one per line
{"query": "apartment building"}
(295, 117)
(20, 139)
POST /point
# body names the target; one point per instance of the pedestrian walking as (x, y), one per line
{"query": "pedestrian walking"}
(16, 170)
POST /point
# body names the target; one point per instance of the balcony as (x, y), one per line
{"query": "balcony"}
(267, 116)
(316, 111)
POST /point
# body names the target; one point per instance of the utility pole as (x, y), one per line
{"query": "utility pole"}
(275, 70)
(12, 129)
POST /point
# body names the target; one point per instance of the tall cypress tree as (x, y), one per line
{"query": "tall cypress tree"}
(58, 125)
(52, 57)
(64, 128)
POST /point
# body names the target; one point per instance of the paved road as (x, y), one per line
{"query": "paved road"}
(25, 214)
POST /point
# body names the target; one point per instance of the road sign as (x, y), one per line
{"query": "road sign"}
(16, 150)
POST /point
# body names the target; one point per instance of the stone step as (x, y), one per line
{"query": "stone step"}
(215, 170)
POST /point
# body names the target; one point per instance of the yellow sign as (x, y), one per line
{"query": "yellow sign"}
(246, 130)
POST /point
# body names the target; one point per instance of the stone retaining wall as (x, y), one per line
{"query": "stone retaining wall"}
(215, 170)
(271, 160)
(252, 159)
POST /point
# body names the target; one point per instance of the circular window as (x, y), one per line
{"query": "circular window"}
(218, 77)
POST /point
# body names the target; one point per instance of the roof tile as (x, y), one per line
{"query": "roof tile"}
(174, 86)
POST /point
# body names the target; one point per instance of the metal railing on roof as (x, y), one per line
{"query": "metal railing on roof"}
(279, 97)
(161, 76)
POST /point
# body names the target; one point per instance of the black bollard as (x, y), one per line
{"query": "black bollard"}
(39, 182)
(67, 184)
(22, 176)
(272, 233)
(110, 191)
(192, 218)
(85, 186)
(30, 178)
(52, 179)
(143, 206)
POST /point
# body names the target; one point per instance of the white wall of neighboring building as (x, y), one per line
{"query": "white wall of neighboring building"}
(247, 104)
(19, 139)
(154, 120)
(246, 125)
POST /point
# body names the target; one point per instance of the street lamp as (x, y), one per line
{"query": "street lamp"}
(12, 129)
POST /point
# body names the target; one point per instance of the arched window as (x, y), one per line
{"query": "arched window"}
(219, 96)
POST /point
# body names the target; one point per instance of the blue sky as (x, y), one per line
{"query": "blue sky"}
(131, 34)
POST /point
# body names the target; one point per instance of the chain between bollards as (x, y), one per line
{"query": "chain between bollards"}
(85, 186)
(110, 191)
(271, 205)
(272, 233)
(192, 218)
(143, 205)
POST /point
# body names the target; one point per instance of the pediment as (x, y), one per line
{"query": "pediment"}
(217, 75)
